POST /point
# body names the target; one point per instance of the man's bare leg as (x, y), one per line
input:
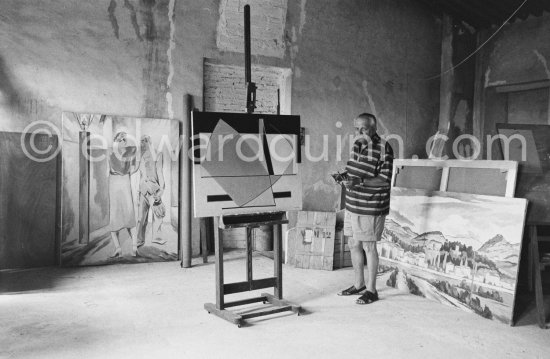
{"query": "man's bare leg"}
(372, 265)
(358, 261)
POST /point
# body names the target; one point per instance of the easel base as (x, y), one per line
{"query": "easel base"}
(238, 319)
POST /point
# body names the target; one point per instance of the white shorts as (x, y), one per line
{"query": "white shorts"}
(364, 227)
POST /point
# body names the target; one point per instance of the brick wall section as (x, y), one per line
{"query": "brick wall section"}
(225, 90)
(267, 22)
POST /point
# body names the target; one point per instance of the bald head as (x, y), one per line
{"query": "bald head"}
(365, 124)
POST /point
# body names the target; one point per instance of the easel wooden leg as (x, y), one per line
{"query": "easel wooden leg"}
(218, 308)
(276, 300)
(278, 251)
(342, 248)
(249, 232)
(204, 232)
(530, 263)
(539, 297)
(219, 269)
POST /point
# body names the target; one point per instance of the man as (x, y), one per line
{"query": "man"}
(151, 188)
(367, 203)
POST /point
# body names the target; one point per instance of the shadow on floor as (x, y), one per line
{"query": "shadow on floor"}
(18, 281)
(525, 312)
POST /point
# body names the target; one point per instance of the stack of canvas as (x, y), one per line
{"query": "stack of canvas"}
(459, 249)
(310, 244)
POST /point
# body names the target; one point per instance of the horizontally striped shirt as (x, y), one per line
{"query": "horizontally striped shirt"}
(370, 160)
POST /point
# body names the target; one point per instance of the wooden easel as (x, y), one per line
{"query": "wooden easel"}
(250, 222)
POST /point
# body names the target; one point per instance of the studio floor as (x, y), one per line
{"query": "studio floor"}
(156, 311)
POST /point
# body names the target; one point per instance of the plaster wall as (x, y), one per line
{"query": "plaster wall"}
(519, 53)
(142, 57)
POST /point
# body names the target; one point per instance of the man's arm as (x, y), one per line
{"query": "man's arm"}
(383, 178)
(376, 182)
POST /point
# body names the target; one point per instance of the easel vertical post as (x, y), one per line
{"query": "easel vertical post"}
(219, 270)
(203, 238)
(250, 86)
(278, 250)
(532, 240)
(249, 231)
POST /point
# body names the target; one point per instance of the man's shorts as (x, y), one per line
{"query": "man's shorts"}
(364, 227)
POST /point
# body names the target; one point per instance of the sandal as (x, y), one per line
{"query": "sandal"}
(367, 298)
(352, 290)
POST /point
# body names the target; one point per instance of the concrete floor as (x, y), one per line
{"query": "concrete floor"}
(156, 310)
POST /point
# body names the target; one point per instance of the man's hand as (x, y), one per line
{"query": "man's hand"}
(351, 182)
(376, 182)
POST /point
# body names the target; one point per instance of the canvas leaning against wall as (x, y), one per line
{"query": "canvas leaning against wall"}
(458, 249)
(120, 189)
(245, 163)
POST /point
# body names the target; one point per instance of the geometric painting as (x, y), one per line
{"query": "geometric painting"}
(120, 189)
(245, 163)
(458, 249)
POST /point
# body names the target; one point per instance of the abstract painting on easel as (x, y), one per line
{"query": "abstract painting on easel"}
(245, 163)
(119, 189)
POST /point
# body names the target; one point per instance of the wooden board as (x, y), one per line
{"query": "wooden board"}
(487, 181)
(311, 242)
(476, 177)
(419, 177)
(534, 172)
(27, 203)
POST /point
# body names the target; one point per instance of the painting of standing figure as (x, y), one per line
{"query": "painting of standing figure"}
(458, 249)
(119, 190)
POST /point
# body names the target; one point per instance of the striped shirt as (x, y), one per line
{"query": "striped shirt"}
(369, 160)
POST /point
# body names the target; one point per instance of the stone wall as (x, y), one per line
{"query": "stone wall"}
(143, 57)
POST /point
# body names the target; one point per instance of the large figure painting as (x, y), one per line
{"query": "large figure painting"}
(462, 250)
(120, 189)
(245, 163)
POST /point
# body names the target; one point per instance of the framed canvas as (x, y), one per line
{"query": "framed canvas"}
(120, 189)
(459, 249)
(28, 201)
(245, 163)
(530, 146)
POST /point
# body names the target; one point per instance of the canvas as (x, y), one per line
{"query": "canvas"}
(245, 163)
(534, 172)
(28, 190)
(310, 244)
(119, 189)
(458, 249)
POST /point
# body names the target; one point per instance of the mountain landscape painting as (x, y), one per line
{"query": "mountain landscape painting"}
(459, 249)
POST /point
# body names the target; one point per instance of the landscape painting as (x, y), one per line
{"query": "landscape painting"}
(120, 189)
(458, 249)
(245, 163)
